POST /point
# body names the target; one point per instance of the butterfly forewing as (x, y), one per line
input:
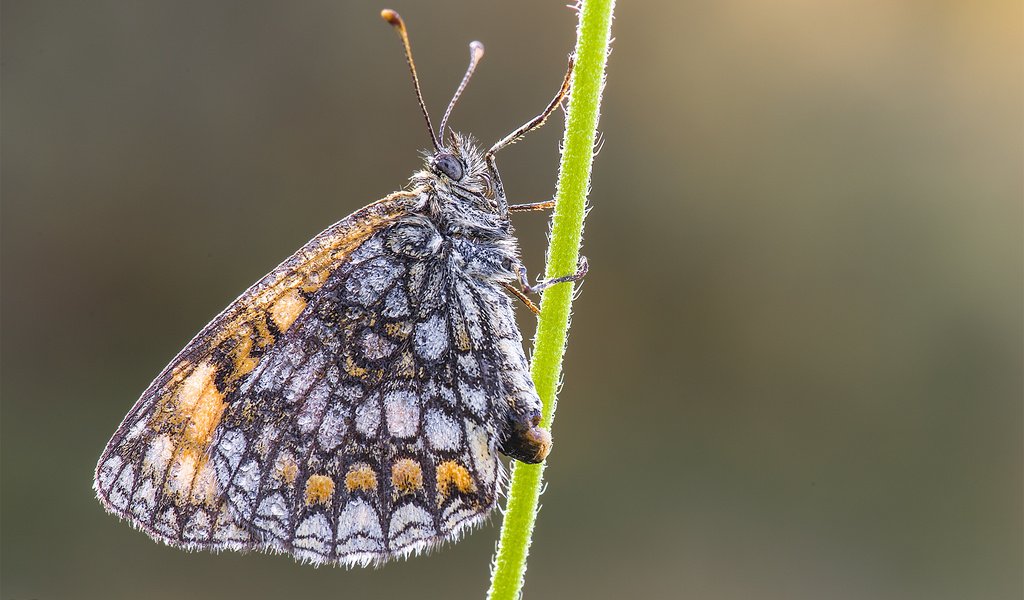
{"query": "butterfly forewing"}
(345, 409)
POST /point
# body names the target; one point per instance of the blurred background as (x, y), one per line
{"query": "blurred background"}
(795, 369)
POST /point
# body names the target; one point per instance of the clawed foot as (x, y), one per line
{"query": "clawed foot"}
(542, 284)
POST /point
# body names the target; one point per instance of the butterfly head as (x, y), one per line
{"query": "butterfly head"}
(459, 162)
(456, 170)
(459, 174)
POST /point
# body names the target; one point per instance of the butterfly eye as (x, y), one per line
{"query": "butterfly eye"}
(450, 166)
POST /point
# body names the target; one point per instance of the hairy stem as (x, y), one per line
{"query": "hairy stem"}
(593, 37)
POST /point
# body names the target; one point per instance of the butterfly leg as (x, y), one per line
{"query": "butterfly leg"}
(547, 204)
(522, 130)
(537, 121)
(523, 297)
(540, 286)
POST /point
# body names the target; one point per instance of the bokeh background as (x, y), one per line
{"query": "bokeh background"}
(795, 367)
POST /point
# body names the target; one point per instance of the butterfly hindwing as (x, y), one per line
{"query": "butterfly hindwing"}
(345, 409)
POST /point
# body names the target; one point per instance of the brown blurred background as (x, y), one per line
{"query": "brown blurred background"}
(795, 368)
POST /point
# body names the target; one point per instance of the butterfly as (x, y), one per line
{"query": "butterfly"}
(349, 407)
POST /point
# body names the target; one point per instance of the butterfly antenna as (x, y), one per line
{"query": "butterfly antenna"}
(476, 52)
(396, 21)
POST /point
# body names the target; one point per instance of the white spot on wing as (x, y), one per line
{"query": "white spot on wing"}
(127, 479)
(145, 499)
(410, 524)
(270, 377)
(312, 409)
(273, 506)
(158, 455)
(396, 305)
(468, 364)
(456, 513)
(229, 533)
(376, 347)
(332, 430)
(167, 522)
(182, 473)
(313, 538)
(248, 477)
(198, 527)
(480, 448)
(368, 417)
(314, 526)
(205, 484)
(442, 431)
(368, 249)
(136, 429)
(304, 378)
(108, 471)
(446, 394)
(350, 393)
(267, 438)
(473, 397)
(232, 447)
(272, 515)
(369, 280)
(403, 413)
(117, 498)
(431, 337)
(359, 529)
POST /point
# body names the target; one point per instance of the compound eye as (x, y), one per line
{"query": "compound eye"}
(450, 166)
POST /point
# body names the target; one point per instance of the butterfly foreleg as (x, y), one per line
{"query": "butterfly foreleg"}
(543, 284)
(545, 205)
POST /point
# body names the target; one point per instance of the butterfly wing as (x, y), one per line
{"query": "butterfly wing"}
(345, 409)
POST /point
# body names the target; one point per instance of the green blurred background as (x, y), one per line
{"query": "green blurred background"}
(795, 367)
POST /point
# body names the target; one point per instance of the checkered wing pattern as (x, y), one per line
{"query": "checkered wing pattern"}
(347, 409)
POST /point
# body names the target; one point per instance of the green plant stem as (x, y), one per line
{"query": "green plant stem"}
(593, 38)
